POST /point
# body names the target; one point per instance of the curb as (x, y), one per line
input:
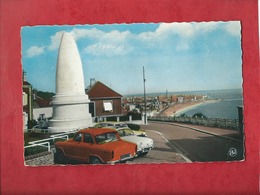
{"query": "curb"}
(202, 131)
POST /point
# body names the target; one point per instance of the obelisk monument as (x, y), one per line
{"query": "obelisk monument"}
(70, 104)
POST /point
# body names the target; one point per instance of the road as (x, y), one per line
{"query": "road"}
(187, 143)
(178, 143)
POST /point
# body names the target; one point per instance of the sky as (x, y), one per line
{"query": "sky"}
(175, 56)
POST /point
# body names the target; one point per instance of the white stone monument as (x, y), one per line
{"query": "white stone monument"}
(70, 104)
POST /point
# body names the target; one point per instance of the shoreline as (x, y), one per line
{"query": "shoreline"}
(187, 108)
(178, 109)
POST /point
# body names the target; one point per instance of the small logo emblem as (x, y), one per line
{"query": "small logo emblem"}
(232, 152)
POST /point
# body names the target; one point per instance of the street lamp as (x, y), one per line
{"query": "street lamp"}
(144, 97)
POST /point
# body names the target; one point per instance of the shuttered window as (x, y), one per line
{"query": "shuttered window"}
(108, 106)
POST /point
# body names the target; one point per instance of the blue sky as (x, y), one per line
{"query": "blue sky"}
(176, 56)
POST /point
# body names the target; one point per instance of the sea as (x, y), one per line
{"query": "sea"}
(226, 107)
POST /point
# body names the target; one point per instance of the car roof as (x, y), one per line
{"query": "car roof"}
(111, 122)
(97, 131)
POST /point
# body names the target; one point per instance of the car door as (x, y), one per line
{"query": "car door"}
(87, 146)
(73, 148)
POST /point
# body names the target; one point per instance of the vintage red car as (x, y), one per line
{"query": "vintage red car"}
(95, 146)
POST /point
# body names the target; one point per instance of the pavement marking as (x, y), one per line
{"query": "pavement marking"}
(179, 152)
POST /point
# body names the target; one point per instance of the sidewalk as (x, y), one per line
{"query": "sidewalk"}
(231, 134)
(163, 152)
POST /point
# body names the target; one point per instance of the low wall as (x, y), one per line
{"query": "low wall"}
(212, 122)
(126, 119)
(45, 158)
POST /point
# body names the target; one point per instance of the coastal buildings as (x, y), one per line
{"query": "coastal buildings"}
(27, 103)
(107, 102)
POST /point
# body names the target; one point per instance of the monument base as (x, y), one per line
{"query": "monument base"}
(63, 125)
(70, 113)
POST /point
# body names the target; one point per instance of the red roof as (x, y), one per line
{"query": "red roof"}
(43, 102)
(99, 90)
(26, 83)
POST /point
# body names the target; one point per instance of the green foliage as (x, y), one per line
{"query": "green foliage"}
(45, 95)
(34, 150)
(133, 126)
(199, 115)
(33, 136)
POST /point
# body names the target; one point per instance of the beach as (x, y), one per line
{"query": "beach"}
(180, 108)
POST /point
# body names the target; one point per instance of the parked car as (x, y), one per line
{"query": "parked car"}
(95, 146)
(117, 125)
(144, 144)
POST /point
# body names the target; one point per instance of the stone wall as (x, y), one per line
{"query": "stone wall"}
(42, 159)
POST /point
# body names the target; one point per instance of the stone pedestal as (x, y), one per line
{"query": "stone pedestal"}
(70, 104)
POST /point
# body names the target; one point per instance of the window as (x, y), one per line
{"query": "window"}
(108, 106)
(88, 138)
(77, 137)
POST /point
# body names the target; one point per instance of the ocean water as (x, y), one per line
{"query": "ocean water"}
(225, 108)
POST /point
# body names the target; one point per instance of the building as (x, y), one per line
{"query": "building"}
(107, 102)
(27, 103)
(42, 111)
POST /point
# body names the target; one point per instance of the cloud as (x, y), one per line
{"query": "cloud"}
(34, 51)
(111, 43)
(115, 42)
(107, 49)
(55, 41)
(92, 33)
(233, 28)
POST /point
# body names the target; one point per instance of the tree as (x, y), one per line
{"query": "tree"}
(199, 115)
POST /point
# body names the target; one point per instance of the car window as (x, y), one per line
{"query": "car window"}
(128, 132)
(121, 125)
(121, 133)
(88, 138)
(77, 137)
(106, 137)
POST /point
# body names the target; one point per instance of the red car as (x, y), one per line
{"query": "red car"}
(95, 146)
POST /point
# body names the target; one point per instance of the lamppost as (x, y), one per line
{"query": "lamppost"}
(144, 98)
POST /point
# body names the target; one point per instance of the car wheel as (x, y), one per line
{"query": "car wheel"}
(143, 154)
(95, 160)
(59, 157)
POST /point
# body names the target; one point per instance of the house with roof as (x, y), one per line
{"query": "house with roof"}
(42, 110)
(27, 103)
(106, 101)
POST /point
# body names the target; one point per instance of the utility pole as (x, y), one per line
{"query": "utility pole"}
(144, 98)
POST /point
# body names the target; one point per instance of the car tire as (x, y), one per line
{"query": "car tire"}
(59, 157)
(143, 154)
(95, 160)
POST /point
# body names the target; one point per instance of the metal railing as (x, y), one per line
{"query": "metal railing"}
(40, 144)
(47, 142)
(215, 122)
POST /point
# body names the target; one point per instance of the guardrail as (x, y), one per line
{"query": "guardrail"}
(47, 142)
(40, 144)
(212, 122)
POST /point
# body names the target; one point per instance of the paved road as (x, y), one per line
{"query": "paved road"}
(198, 143)
(183, 143)
(163, 152)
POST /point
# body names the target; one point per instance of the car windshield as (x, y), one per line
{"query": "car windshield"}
(105, 125)
(106, 137)
(120, 125)
(125, 132)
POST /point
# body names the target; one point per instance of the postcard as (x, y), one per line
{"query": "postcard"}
(137, 93)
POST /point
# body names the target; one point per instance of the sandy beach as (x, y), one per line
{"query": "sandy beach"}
(177, 109)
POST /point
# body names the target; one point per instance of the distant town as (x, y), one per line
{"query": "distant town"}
(105, 102)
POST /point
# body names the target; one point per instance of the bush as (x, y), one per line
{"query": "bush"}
(34, 150)
(133, 126)
(199, 115)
